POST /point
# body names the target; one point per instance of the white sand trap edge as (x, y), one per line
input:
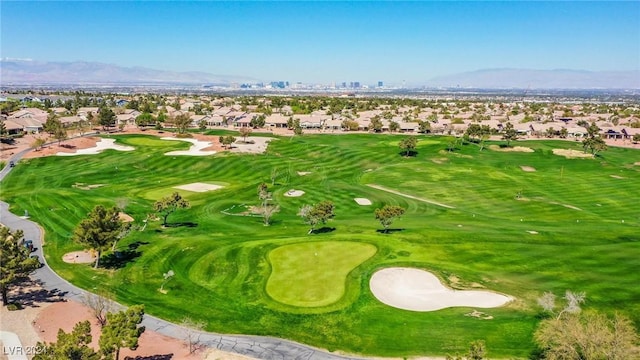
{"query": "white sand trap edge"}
(419, 290)
(198, 187)
(102, 144)
(527, 168)
(194, 150)
(571, 154)
(511, 149)
(294, 193)
(362, 201)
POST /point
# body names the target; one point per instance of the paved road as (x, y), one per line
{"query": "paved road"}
(254, 346)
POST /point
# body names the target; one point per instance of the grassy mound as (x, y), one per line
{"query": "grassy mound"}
(314, 274)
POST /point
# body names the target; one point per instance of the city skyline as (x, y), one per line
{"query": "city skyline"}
(328, 42)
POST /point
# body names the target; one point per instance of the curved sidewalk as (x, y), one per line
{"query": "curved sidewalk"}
(259, 347)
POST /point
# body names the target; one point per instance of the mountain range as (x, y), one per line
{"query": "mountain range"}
(29, 72)
(539, 79)
(25, 72)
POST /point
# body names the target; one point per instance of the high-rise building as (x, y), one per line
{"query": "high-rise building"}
(380, 84)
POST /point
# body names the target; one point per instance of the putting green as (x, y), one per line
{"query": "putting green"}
(314, 274)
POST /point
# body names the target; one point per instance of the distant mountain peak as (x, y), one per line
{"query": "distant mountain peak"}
(27, 71)
(513, 78)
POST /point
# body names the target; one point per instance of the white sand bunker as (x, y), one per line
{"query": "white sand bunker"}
(617, 177)
(294, 193)
(194, 150)
(362, 201)
(79, 257)
(572, 154)
(419, 290)
(528, 168)
(102, 144)
(254, 145)
(198, 187)
(303, 173)
(511, 149)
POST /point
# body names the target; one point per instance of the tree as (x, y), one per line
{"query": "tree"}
(317, 213)
(572, 306)
(168, 205)
(226, 141)
(594, 144)
(52, 124)
(636, 138)
(121, 331)
(106, 118)
(99, 230)
(589, 336)
(408, 145)
(267, 209)
(376, 124)
(393, 126)
(145, 119)
(15, 261)
(425, 127)
(510, 134)
(38, 143)
(202, 125)
(3, 129)
(387, 214)
(244, 132)
(72, 346)
(192, 330)
(350, 125)
(182, 123)
(477, 351)
(99, 304)
(60, 134)
(258, 121)
(166, 276)
(297, 129)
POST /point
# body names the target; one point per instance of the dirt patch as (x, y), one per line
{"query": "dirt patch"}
(572, 154)
(362, 201)
(67, 146)
(511, 149)
(65, 315)
(453, 153)
(198, 187)
(479, 315)
(294, 193)
(527, 168)
(83, 186)
(440, 160)
(80, 257)
(636, 163)
(124, 217)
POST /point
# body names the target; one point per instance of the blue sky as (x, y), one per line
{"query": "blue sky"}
(325, 42)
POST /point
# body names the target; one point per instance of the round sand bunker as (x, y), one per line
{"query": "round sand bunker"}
(362, 201)
(294, 193)
(79, 257)
(419, 290)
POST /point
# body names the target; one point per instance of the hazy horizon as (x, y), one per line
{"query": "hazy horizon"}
(328, 42)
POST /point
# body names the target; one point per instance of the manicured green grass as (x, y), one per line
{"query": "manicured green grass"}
(224, 264)
(313, 274)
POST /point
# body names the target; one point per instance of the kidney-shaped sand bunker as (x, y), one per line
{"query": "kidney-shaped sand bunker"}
(419, 290)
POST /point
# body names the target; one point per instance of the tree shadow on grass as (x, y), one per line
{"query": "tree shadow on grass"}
(410, 153)
(119, 259)
(323, 230)
(180, 224)
(389, 231)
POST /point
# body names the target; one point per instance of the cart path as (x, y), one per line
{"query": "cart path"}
(380, 187)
